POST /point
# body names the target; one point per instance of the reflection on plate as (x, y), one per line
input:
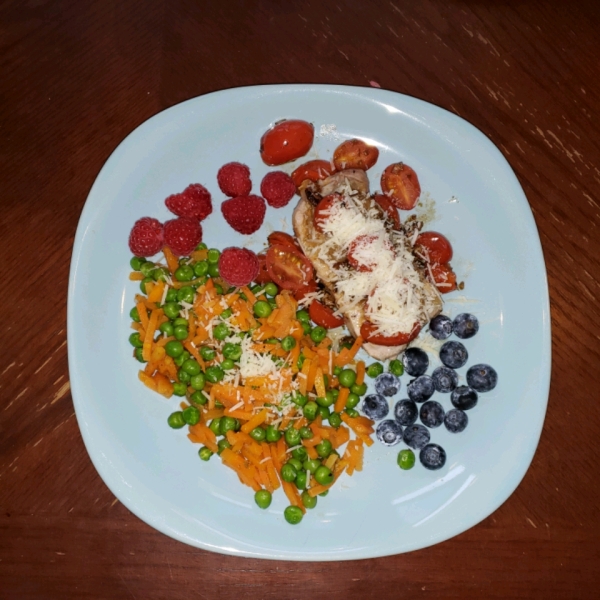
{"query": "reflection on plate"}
(472, 196)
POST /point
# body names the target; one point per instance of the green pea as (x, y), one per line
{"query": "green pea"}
(300, 362)
(227, 364)
(180, 321)
(172, 309)
(180, 332)
(171, 295)
(396, 367)
(263, 499)
(288, 342)
(256, 288)
(306, 433)
(271, 289)
(262, 309)
(139, 354)
(259, 434)
(288, 472)
(146, 268)
(207, 353)
(292, 437)
(160, 274)
(324, 412)
(214, 374)
(299, 399)
(293, 515)
(213, 256)
(359, 390)
(303, 316)
(167, 328)
(134, 314)
(174, 348)
(324, 448)
(184, 273)
(272, 302)
(226, 313)
(273, 434)
(272, 340)
(179, 389)
(201, 268)
(144, 282)
(186, 294)
(232, 351)
(191, 366)
(353, 400)
(222, 444)
(191, 415)
(198, 397)
(228, 424)
(184, 376)
(297, 464)
(179, 360)
(323, 475)
(311, 464)
(176, 420)
(135, 340)
(318, 334)
(406, 459)
(351, 412)
(347, 342)
(306, 328)
(204, 453)
(335, 393)
(213, 271)
(325, 400)
(201, 246)
(310, 410)
(347, 378)
(324, 493)
(337, 370)
(301, 480)
(308, 500)
(136, 262)
(300, 453)
(374, 369)
(215, 426)
(221, 331)
(335, 420)
(219, 288)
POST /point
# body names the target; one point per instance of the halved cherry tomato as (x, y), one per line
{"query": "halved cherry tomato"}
(437, 246)
(389, 208)
(323, 315)
(401, 184)
(367, 332)
(286, 141)
(444, 278)
(263, 275)
(310, 287)
(282, 239)
(352, 251)
(355, 154)
(322, 209)
(315, 170)
(288, 268)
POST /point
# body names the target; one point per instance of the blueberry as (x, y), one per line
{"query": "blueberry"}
(375, 406)
(465, 326)
(444, 379)
(415, 361)
(463, 397)
(440, 327)
(456, 420)
(454, 354)
(482, 378)
(416, 436)
(421, 388)
(389, 432)
(405, 412)
(432, 414)
(432, 457)
(387, 384)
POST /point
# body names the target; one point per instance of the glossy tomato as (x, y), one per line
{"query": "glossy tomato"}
(288, 268)
(322, 210)
(324, 316)
(315, 170)
(444, 278)
(352, 256)
(437, 247)
(367, 332)
(355, 154)
(286, 141)
(263, 275)
(309, 288)
(401, 184)
(280, 238)
(389, 208)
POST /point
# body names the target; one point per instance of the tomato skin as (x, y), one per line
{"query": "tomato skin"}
(286, 141)
(319, 216)
(323, 315)
(388, 207)
(355, 154)
(354, 262)
(280, 238)
(315, 170)
(442, 276)
(310, 287)
(263, 274)
(367, 332)
(401, 184)
(288, 268)
(437, 246)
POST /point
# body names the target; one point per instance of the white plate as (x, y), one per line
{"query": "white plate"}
(155, 471)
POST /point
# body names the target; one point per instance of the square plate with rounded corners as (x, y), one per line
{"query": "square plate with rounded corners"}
(469, 193)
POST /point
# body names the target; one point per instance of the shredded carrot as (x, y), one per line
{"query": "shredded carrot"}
(360, 372)
(340, 403)
(171, 259)
(136, 276)
(148, 340)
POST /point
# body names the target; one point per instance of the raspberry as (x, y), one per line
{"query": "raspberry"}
(277, 188)
(244, 213)
(234, 179)
(146, 237)
(182, 235)
(194, 202)
(238, 266)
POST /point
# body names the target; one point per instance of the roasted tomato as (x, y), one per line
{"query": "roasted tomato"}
(322, 210)
(310, 287)
(324, 316)
(367, 333)
(286, 141)
(401, 184)
(353, 254)
(444, 278)
(288, 268)
(355, 154)
(315, 170)
(280, 238)
(389, 208)
(263, 275)
(437, 247)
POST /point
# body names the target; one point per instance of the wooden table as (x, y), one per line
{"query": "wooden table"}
(77, 77)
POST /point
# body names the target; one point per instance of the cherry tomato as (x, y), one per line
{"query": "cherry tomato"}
(355, 154)
(389, 208)
(288, 268)
(280, 238)
(444, 278)
(263, 275)
(401, 184)
(323, 315)
(367, 332)
(352, 249)
(315, 170)
(310, 287)
(322, 209)
(286, 141)
(437, 247)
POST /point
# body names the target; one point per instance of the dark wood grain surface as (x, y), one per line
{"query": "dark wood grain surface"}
(76, 77)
